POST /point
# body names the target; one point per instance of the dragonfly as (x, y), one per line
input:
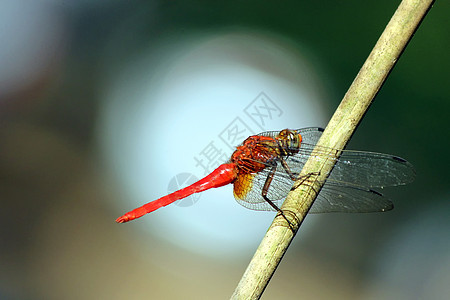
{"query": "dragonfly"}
(264, 168)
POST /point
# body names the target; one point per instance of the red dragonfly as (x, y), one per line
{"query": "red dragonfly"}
(265, 166)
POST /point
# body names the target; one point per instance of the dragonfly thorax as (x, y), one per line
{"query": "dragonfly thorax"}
(255, 154)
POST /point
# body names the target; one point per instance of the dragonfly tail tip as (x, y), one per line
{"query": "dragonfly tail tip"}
(122, 219)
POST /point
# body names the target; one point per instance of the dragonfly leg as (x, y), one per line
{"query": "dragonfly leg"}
(296, 177)
(292, 175)
(304, 179)
(274, 206)
(265, 191)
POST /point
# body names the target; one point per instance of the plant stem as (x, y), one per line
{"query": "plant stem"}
(355, 103)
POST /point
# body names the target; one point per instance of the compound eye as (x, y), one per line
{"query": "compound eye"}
(284, 134)
(293, 142)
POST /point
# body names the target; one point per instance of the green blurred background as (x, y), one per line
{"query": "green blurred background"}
(64, 138)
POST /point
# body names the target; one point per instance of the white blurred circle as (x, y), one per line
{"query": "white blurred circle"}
(178, 104)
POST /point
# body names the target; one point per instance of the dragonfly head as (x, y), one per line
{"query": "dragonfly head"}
(290, 141)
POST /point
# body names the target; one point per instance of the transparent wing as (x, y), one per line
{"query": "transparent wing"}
(346, 198)
(347, 189)
(359, 168)
(333, 197)
(277, 192)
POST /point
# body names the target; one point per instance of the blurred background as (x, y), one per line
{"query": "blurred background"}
(107, 105)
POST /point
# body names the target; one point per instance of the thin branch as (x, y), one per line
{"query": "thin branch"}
(356, 101)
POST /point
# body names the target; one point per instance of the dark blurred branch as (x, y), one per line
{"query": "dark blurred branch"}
(355, 103)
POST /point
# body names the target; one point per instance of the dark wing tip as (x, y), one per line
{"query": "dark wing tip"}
(388, 203)
(409, 172)
(397, 158)
(375, 192)
(388, 207)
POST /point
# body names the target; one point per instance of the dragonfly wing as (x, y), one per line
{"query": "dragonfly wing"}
(332, 198)
(348, 187)
(252, 197)
(370, 169)
(310, 135)
(360, 168)
(351, 199)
